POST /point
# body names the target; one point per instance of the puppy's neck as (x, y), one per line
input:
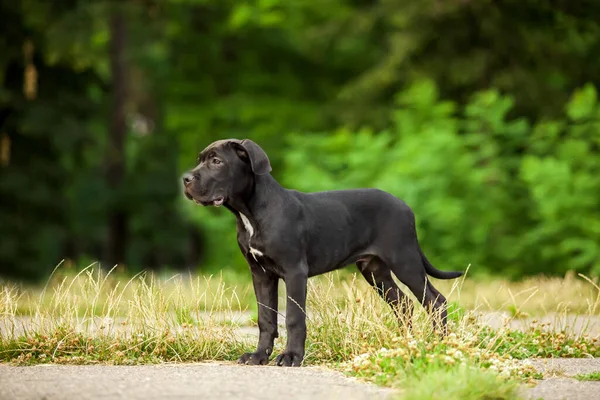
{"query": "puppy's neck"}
(254, 206)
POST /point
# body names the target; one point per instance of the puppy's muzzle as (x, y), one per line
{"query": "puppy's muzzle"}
(188, 179)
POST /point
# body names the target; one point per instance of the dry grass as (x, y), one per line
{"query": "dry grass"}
(94, 291)
(96, 317)
(533, 296)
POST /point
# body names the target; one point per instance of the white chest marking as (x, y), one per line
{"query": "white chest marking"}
(255, 253)
(247, 224)
(250, 229)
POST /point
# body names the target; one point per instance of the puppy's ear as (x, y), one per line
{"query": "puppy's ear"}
(250, 152)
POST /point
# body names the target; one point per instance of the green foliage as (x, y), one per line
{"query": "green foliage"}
(487, 189)
(460, 383)
(511, 195)
(561, 172)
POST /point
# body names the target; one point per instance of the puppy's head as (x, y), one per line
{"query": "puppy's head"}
(225, 171)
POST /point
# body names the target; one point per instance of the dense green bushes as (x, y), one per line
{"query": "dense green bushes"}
(488, 190)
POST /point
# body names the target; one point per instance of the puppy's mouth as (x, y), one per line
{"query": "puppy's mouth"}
(217, 201)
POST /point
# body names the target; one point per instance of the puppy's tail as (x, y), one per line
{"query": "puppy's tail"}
(436, 273)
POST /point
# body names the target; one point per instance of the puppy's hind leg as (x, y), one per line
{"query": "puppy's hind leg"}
(437, 304)
(379, 276)
(409, 269)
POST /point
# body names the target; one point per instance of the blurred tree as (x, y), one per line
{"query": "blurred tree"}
(115, 152)
(537, 51)
(44, 111)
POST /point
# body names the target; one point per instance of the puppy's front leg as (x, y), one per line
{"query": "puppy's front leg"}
(295, 320)
(265, 288)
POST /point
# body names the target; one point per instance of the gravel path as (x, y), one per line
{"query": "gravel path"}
(179, 381)
(225, 381)
(558, 383)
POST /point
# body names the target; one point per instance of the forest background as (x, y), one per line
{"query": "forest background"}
(482, 115)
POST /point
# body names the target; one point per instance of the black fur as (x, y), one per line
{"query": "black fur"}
(294, 235)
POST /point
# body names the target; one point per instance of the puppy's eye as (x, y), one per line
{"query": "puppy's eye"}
(216, 161)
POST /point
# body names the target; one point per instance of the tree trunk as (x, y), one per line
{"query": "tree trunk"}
(115, 157)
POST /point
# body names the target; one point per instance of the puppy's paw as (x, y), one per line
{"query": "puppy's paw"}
(256, 358)
(289, 359)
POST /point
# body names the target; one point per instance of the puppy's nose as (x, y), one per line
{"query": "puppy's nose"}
(188, 178)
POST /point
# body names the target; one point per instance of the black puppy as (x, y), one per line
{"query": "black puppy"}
(289, 235)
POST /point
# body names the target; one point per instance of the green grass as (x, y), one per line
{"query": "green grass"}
(64, 345)
(459, 383)
(592, 376)
(540, 343)
(95, 317)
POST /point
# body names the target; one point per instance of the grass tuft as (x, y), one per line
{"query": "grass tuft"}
(460, 382)
(592, 376)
